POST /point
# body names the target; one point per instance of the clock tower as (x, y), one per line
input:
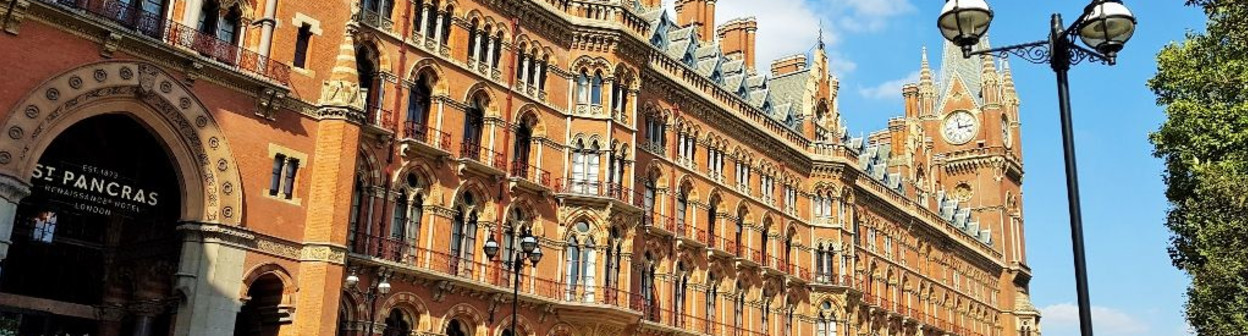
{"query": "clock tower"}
(963, 150)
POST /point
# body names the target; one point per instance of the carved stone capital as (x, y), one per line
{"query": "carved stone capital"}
(12, 189)
(343, 99)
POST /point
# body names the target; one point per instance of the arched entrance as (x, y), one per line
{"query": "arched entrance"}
(97, 233)
(111, 177)
(261, 316)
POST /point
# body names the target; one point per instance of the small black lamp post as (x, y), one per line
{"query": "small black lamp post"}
(1105, 26)
(378, 289)
(530, 251)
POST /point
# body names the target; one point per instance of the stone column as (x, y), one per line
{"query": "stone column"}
(12, 191)
(424, 20)
(437, 31)
(489, 56)
(209, 277)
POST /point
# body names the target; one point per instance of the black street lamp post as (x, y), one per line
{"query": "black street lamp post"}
(1105, 26)
(379, 288)
(529, 250)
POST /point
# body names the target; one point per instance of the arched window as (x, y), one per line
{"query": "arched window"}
(788, 250)
(398, 224)
(455, 328)
(596, 90)
(582, 87)
(523, 142)
(678, 293)
(819, 205)
(474, 122)
(498, 47)
(581, 255)
(431, 17)
(541, 83)
(591, 169)
(522, 57)
(420, 14)
(357, 210)
(473, 32)
(464, 235)
(229, 28)
(397, 324)
(448, 18)
(682, 205)
(762, 238)
(483, 51)
(648, 288)
(712, 295)
(656, 132)
(649, 195)
(613, 164)
(826, 324)
(370, 82)
(614, 250)
(822, 266)
(712, 219)
(209, 17)
(579, 167)
(738, 309)
(418, 104)
(573, 266)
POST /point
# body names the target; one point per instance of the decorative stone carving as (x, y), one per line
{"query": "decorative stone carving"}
(324, 253)
(279, 248)
(16, 14)
(268, 102)
(109, 44)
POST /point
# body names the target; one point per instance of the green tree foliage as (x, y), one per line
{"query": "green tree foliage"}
(1203, 84)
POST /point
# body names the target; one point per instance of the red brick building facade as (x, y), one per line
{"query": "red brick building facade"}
(269, 167)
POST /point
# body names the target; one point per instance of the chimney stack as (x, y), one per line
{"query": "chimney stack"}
(737, 38)
(788, 65)
(700, 13)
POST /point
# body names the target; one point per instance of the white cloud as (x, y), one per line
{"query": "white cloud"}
(890, 89)
(785, 27)
(788, 27)
(1107, 321)
(871, 15)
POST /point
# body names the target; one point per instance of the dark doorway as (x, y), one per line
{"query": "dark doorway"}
(262, 315)
(97, 233)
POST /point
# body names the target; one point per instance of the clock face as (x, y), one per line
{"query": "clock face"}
(960, 127)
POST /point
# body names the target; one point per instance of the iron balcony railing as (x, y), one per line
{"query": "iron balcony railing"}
(156, 26)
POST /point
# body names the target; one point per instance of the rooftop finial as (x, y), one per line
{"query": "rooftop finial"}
(924, 62)
(820, 33)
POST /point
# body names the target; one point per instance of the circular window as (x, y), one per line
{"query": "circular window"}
(412, 181)
(582, 227)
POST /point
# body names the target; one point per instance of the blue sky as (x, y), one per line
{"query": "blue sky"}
(875, 45)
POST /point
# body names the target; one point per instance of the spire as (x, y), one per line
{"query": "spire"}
(990, 80)
(925, 70)
(342, 90)
(1007, 81)
(990, 75)
(1007, 76)
(821, 34)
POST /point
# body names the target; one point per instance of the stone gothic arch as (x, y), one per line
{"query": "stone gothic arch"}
(209, 175)
(209, 183)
